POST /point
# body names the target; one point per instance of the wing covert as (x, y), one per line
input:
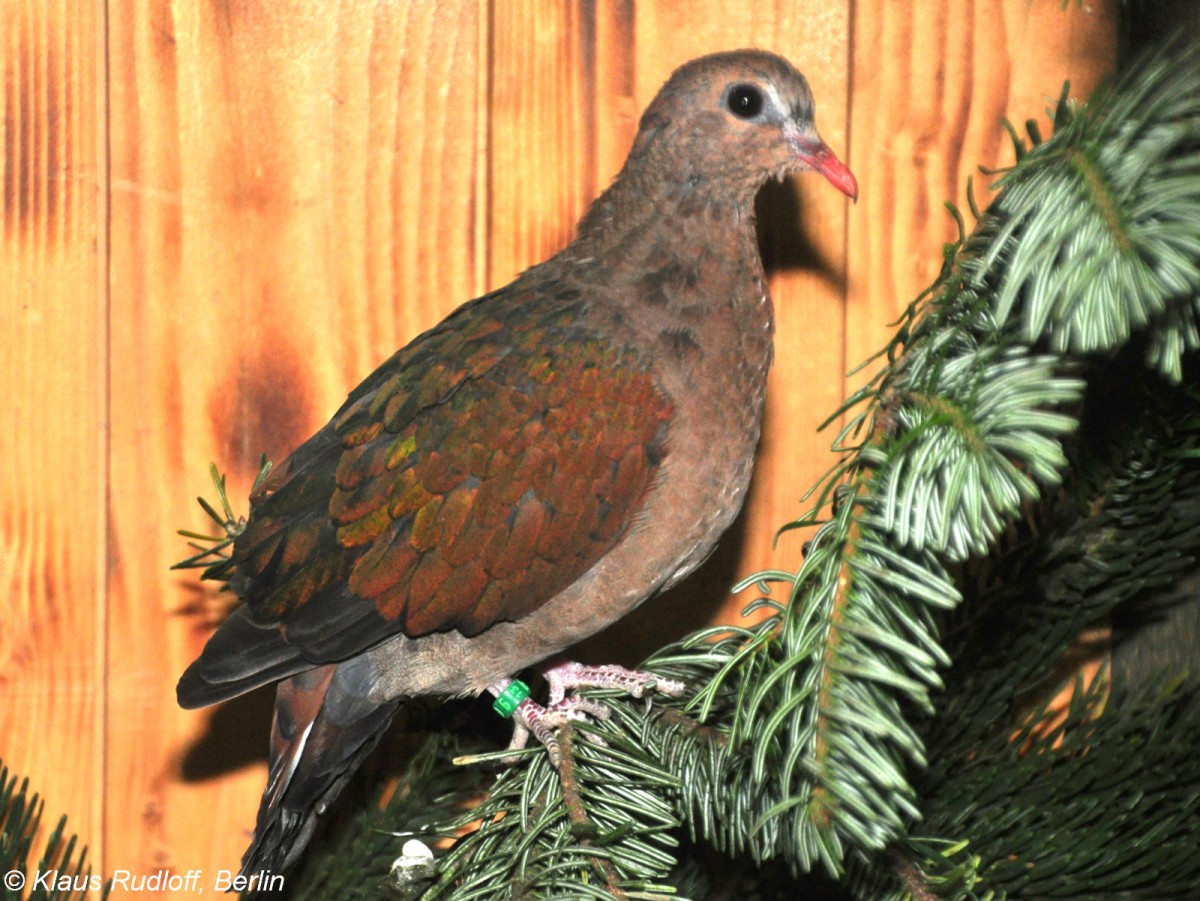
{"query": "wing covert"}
(474, 476)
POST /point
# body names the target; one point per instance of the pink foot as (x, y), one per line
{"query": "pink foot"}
(531, 717)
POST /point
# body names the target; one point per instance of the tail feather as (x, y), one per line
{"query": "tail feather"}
(324, 726)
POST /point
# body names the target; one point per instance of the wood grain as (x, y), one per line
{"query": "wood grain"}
(52, 416)
(932, 82)
(296, 190)
(541, 117)
(295, 193)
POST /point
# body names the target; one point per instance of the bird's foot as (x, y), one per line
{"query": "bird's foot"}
(567, 675)
(530, 717)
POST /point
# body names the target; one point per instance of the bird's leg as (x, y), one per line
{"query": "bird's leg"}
(564, 676)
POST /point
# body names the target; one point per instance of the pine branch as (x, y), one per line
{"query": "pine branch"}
(1099, 234)
(1125, 528)
(1128, 526)
(212, 551)
(69, 877)
(1107, 803)
(962, 430)
(598, 827)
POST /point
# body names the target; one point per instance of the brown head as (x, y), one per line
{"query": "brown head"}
(726, 123)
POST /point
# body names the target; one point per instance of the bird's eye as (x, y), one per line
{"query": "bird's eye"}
(745, 101)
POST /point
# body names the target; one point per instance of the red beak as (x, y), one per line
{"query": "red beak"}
(816, 155)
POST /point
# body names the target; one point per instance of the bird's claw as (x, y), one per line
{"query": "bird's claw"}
(531, 718)
(567, 675)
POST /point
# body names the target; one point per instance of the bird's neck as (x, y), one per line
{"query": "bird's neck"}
(642, 225)
(638, 201)
(684, 268)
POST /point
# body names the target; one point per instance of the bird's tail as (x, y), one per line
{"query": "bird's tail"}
(324, 726)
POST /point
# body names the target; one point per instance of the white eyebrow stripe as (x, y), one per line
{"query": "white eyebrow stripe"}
(771, 92)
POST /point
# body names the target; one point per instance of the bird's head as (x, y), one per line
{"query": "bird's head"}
(726, 123)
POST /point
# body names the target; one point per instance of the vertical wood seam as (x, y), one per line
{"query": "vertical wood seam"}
(589, 73)
(484, 207)
(104, 339)
(847, 249)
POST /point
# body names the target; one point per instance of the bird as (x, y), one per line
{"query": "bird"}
(529, 470)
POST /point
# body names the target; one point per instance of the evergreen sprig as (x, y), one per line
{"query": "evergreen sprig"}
(60, 853)
(1105, 804)
(212, 551)
(1099, 224)
(598, 826)
(962, 429)
(1127, 529)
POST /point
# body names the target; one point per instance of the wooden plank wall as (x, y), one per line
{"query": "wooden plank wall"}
(54, 362)
(219, 216)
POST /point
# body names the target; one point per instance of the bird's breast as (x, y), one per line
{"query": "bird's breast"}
(712, 444)
(711, 359)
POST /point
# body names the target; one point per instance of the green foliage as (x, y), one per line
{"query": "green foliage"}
(599, 824)
(1105, 804)
(20, 822)
(1114, 783)
(963, 430)
(212, 551)
(1098, 236)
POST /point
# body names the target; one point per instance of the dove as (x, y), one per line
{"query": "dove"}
(529, 470)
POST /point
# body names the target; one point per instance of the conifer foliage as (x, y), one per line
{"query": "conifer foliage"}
(37, 867)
